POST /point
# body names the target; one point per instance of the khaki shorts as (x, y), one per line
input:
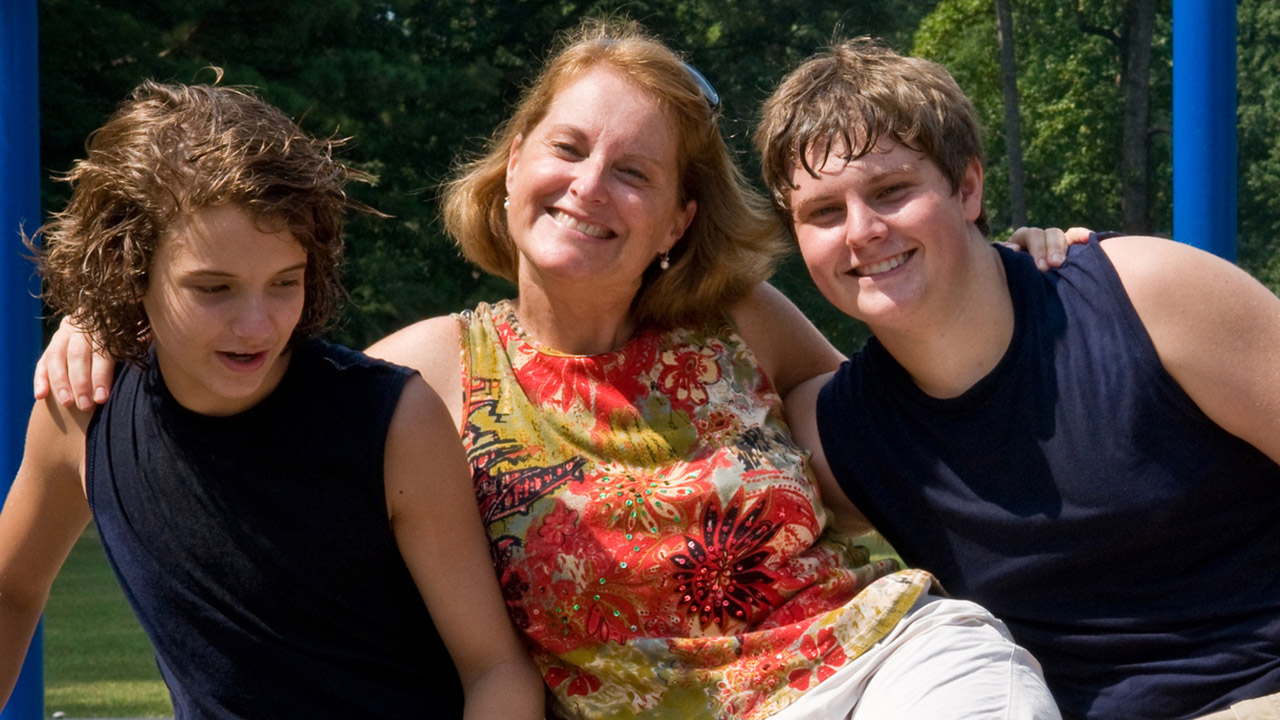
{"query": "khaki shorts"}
(1266, 707)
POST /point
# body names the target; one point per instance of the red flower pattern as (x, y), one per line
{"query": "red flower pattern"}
(686, 371)
(823, 648)
(724, 574)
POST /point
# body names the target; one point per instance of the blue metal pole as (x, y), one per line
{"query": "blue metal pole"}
(19, 309)
(1204, 125)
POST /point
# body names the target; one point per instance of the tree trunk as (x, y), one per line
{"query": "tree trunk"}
(1012, 122)
(1134, 170)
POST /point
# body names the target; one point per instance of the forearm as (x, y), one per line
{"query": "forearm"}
(17, 625)
(510, 690)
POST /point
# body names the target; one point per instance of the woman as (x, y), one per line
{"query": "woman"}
(658, 539)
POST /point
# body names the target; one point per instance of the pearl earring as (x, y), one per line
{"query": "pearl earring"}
(665, 262)
(506, 203)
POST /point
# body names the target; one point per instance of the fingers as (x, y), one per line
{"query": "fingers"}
(80, 370)
(1046, 247)
(1078, 235)
(71, 371)
(51, 369)
(41, 381)
(102, 374)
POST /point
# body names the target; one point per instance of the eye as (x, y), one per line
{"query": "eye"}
(565, 148)
(213, 289)
(289, 282)
(635, 173)
(823, 214)
(894, 191)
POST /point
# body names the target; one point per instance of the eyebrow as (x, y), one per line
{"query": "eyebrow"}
(577, 132)
(222, 274)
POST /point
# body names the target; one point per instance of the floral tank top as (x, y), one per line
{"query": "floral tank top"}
(659, 541)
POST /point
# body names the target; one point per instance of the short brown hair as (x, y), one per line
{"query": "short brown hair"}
(734, 240)
(853, 95)
(169, 150)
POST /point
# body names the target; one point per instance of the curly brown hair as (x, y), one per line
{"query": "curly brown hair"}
(734, 241)
(171, 149)
(851, 96)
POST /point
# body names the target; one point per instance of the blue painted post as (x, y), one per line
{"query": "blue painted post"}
(19, 309)
(1204, 125)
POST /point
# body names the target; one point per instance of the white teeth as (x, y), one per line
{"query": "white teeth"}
(585, 228)
(881, 267)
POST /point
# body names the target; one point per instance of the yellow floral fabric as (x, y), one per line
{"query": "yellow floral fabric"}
(659, 540)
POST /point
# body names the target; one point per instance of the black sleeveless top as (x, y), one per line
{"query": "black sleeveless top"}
(1129, 542)
(256, 549)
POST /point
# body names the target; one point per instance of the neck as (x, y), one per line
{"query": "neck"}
(577, 325)
(962, 340)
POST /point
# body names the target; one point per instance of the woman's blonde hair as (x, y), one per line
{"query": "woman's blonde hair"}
(734, 240)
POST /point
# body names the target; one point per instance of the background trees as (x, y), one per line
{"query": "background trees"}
(419, 82)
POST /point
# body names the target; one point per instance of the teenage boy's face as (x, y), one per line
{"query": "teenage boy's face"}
(884, 236)
(223, 299)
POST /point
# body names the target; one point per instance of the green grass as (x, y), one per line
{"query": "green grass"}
(97, 661)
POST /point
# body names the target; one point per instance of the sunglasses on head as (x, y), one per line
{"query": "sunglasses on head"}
(704, 86)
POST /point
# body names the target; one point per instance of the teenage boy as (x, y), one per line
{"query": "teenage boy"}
(292, 521)
(1091, 453)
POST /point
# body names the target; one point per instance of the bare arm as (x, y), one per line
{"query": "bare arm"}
(801, 409)
(790, 349)
(43, 516)
(1215, 328)
(432, 347)
(438, 529)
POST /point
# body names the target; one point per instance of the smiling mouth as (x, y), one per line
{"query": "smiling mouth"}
(883, 266)
(573, 223)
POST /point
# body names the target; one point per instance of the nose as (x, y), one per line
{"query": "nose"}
(253, 318)
(863, 225)
(589, 181)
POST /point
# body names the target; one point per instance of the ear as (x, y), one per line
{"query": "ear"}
(970, 190)
(682, 221)
(513, 158)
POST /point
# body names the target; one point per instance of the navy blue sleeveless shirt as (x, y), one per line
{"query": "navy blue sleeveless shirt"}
(1078, 493)
(256, 549)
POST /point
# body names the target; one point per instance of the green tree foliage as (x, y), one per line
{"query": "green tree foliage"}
(1258, 136)
(416, 83)
(1072, 105)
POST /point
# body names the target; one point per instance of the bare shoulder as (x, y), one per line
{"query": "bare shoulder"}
(56, 438)
(433, 348)
(46, 508)
(790, 349)
(421, 433)
(1179, 288)
(1215, 328)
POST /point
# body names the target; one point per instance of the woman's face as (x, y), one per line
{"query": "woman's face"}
(594, 188)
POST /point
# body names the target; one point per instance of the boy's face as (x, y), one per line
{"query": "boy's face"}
(884, 237)
(223, 299)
